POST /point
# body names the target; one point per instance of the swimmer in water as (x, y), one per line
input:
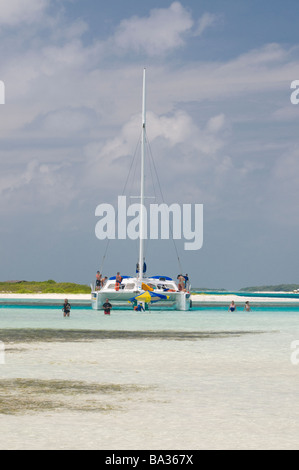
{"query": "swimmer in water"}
(247, 306)
(232, 307)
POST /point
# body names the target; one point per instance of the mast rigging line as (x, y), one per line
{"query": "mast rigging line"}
(123, 193)
(163, 200)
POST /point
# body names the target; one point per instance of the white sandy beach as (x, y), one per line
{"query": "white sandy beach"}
(85, 297)
(197, 299)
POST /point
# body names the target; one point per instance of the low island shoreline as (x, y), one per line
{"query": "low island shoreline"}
(51, 292)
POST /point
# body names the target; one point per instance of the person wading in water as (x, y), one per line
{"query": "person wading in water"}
(66, 308)
(107, 307)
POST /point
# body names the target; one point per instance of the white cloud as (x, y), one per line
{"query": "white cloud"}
(13, 12)
(67, 121)
(207, 20)
(216, 123)
(180, 148)
(177, 129)
(162, 31)
(36, 186)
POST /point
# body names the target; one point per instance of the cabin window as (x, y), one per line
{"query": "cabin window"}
(111, 285)
(169, 286)
(130, 286)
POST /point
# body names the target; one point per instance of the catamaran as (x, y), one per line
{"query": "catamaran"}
(142, 292)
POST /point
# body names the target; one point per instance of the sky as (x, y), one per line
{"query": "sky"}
(223, 132)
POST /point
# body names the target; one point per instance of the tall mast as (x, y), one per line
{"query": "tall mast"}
(142, 181)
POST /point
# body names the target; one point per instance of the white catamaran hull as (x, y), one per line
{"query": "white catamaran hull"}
(163, 291)
(176, 301)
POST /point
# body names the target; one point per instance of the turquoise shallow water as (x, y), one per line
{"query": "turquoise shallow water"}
(204, 379)
(268, 318)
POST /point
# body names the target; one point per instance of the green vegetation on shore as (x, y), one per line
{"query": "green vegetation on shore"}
(46, 287)
(52, 287)
(277, 288)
